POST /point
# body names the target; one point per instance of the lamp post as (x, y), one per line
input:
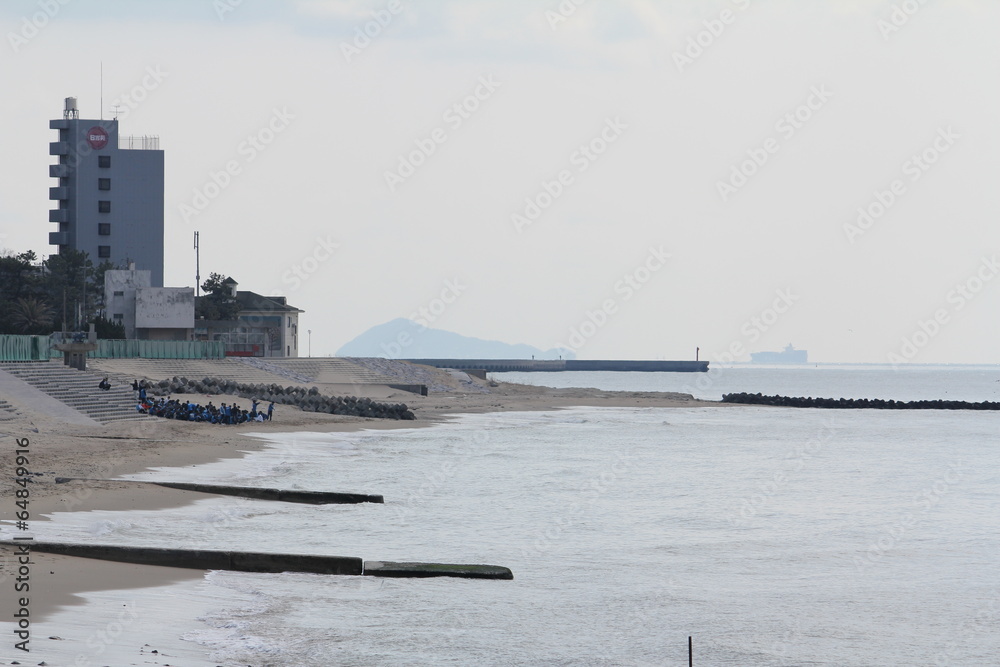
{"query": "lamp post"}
(310, 331)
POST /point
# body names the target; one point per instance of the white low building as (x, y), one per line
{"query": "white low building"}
(146, 312)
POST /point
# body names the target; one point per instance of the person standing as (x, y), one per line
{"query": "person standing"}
(270, 410)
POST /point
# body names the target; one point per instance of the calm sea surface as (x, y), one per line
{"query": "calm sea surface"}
(904, 383)
(772, 536)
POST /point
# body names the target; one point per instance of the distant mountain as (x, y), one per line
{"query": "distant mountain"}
(405, 339)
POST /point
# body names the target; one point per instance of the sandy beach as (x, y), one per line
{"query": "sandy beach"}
(109, 451)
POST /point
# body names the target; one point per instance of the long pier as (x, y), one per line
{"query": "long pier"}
(559, 365)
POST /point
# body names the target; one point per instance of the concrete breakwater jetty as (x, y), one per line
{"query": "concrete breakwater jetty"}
(252, 561)
(856, 403)
(560, 365)
(309, 400)
(283, 495)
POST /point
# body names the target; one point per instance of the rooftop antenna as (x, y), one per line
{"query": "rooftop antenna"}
(197, 266)
(117, 110)
(102, 90)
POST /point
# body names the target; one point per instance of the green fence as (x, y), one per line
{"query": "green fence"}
(37, 348)
(24, 348)
(158, 349)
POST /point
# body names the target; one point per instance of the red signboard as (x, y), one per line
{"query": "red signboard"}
(97, 137)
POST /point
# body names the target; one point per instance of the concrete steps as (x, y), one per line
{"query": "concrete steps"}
(7, 411)
(332, 370)
(193, 369)
(294, 371)
(78, 390)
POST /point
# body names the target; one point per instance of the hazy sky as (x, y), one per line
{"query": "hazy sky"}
(654, 176)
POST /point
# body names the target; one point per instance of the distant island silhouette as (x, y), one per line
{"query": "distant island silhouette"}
(405, 339)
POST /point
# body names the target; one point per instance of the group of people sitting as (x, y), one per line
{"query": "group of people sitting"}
(171, 408)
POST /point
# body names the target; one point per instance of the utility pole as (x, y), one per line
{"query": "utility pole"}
(310, 342)
(197, 266)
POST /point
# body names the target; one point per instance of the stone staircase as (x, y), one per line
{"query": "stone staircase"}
(7, 411)
(192, 369)
(269, 370)
(78, 390)
(331, 370)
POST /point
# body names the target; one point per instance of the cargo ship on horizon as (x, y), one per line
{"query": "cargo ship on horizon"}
(787, 356)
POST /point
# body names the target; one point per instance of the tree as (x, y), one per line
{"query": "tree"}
(20, 278)
(32, 316)
(18, 275)
(68, 276)
(217, 304)
(106, 328)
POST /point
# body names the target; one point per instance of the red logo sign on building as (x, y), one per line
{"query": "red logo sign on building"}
(97, 137)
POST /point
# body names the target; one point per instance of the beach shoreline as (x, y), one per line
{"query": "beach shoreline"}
(125, 448)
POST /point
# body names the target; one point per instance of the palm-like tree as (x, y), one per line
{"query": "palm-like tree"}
(31, 314)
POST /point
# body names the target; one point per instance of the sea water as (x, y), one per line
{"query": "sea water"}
(769, 536)
(901, 383)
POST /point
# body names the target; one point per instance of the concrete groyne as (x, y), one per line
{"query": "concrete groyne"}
(856, 403)
(205, 559)
(422, 570)
(283, 495)
(255, 561)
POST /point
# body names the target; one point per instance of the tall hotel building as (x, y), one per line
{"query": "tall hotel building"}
(110, 193)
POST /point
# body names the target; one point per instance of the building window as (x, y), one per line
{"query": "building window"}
(104, 228)
(104, 251)
(119, 317)
(119, 292)
(104, 206)
(104, 184)
(104, 161)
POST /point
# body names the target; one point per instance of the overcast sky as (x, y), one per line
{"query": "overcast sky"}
(629, 179)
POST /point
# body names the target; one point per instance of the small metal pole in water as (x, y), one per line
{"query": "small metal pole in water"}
(690, 653)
